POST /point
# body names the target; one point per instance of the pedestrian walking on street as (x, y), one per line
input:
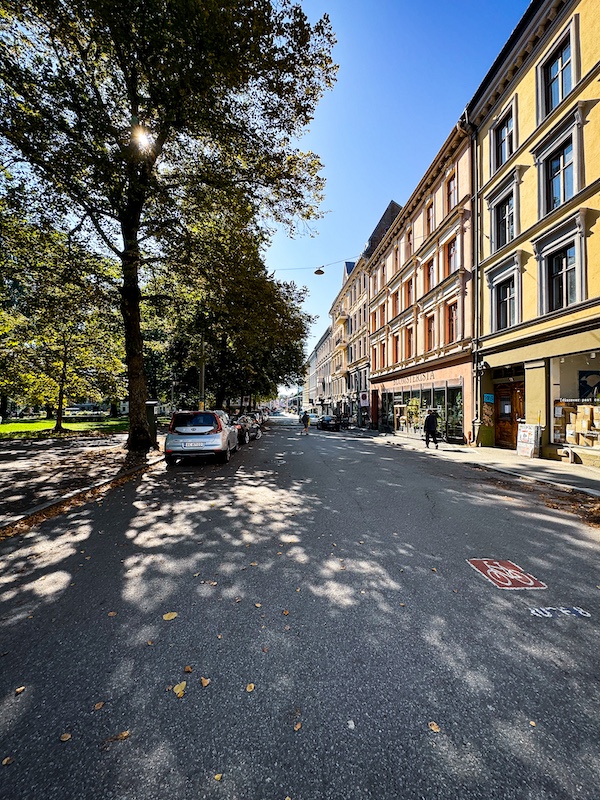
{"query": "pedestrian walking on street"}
(430, 428)
(305, 422)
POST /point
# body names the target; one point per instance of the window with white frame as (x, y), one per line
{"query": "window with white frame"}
(562, 268)
(561, 279)
(504, 221)
(559, 158)
(559, 71)
(504, 282)
(503, 138)
(503, 204)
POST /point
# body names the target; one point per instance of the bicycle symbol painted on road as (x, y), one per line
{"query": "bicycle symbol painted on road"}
(505, 574)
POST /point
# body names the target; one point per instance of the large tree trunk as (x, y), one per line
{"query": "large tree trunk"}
(58, 428)
(139, 440)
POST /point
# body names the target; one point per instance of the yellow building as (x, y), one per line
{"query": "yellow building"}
(536, 118)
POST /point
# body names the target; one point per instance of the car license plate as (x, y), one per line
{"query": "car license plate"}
(196, 445)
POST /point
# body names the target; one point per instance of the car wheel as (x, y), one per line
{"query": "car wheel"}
(170, 460)
(246, 437)
(226, 454)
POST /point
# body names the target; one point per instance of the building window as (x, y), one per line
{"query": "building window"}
(429, 275)
(558, 172)
(504, 214)
(396, 349)
(374, 358)
(451, 192)
(409, 343)
(382, 363)
(558, 76)
(430, 333)
(451, 257)
(409, 293)
(562, 289)
(503, 204)
(409, 243)
(561, 256)
(559, 72)
(452, 322)
(506, 304)
(373, 321)
(504, 141)
(381, 315)
(395, 304)
(429, 220)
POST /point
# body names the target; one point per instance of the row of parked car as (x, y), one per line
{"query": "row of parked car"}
(210, 433)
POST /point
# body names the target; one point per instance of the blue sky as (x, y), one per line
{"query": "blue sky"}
(406, 72)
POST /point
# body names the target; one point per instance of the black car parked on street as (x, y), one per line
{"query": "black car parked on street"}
(328, 423)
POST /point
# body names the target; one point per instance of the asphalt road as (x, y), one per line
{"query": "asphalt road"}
(330, 572)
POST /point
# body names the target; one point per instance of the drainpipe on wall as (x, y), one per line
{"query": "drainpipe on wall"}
(468, 126)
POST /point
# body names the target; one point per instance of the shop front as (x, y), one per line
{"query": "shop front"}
(575, 417)
(405, 401)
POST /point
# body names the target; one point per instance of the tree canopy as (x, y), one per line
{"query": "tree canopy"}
(121, 110)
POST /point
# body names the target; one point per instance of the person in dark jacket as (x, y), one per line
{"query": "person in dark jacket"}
(430, 428)
(305, 421)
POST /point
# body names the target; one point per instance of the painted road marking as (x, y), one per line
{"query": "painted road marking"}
(552, 611)
(505, 574)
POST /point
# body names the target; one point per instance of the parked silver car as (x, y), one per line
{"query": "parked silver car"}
(200, 433)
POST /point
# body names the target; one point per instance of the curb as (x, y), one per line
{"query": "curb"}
(76, 492)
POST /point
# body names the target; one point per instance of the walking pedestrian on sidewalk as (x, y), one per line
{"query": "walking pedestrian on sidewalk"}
(430, 428)
(305, 421)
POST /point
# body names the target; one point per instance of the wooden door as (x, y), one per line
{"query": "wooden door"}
(510, 409)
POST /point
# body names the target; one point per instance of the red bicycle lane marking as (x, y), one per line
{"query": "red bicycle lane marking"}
(505, 574)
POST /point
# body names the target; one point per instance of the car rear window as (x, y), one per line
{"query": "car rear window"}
(200, 420)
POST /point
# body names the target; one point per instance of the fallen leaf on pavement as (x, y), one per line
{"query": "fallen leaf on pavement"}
(179, 688)
(65, 737)
(218, 776)
(297, 726)
(434, 727)
(258, 605)
(219, 635)
(118, 737)
(6, 761)
(250, 687)
(205, 682)
(433, 569)
(265, 649)
(187, 668)
(112, 613)
(99, 705)
(169, 615)
(402, 604)
(20, 690)
(285, 613)
(150, 642)
(532, 723)
(254, 563)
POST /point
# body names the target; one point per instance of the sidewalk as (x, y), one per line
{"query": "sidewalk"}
(572, 477)
(36, 474)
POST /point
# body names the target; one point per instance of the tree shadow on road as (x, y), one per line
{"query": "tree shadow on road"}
(353, 612)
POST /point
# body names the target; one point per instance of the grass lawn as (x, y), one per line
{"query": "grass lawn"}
(43, 428)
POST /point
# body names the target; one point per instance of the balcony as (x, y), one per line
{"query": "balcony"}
(340, 343)
(340, 315)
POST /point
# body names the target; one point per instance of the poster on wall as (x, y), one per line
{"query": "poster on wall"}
(528, 441)
(589, 383)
